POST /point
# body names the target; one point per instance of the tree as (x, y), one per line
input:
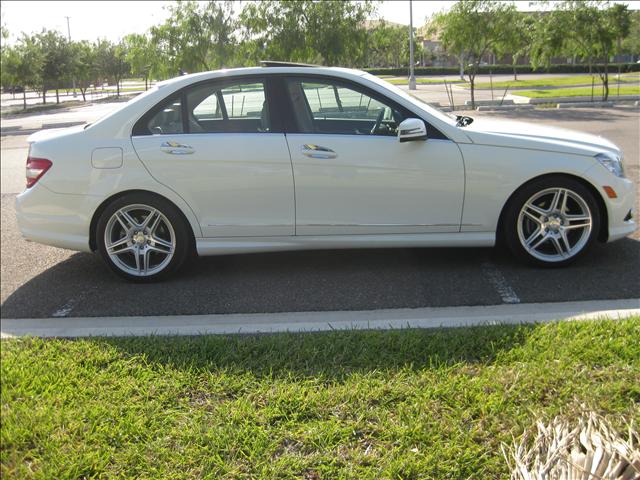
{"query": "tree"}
(275, 30)
(388, 45)
(140, 55)
(55, 65)
(593, 30)
(83, 65)
(329, 32)
(196, 36)
(516, 40)
(110, 61)
(631, 44)
(26, 65)
(335, 30)
(9, 61)
(471, 29)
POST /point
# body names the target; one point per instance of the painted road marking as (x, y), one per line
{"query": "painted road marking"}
(495, 278)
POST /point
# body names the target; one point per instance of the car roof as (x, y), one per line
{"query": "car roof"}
(265, 70)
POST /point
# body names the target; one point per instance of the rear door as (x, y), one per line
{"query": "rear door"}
(217, 146)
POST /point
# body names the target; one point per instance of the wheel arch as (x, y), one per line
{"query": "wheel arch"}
(603, 234)
(98, 212)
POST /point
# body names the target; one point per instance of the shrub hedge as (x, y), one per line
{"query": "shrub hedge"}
(485, 69)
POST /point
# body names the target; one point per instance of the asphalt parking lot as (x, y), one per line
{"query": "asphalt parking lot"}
(40, 281)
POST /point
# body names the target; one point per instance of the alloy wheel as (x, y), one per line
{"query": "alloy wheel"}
(554, 224)
(139, 240)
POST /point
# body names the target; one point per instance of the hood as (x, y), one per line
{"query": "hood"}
(50, 133)
(506, 133)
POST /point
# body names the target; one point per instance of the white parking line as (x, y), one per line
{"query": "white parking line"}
(319, 321)
(495, 278)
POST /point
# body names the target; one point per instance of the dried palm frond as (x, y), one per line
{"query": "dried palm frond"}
(592, 450)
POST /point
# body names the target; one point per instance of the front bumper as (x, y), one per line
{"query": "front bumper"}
(621, 211)
(59, 220)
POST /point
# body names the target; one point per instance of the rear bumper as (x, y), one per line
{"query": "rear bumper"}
(55, 219)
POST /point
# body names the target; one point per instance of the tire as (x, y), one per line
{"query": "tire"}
(551, 221)
(143, 238)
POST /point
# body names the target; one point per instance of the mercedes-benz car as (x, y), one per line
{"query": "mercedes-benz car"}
(286, 157)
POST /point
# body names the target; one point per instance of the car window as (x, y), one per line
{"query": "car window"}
(208, 109)
(168, 119)
(230, 108)
(326, 107)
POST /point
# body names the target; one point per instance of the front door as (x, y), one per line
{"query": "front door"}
(353, 176)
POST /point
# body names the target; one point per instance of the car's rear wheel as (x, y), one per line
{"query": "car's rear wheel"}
(552, 221)
(142, 237)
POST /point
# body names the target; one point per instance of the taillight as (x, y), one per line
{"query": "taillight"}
(36, 168)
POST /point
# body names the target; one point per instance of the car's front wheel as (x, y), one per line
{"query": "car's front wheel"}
(552, 221)
(142, 237)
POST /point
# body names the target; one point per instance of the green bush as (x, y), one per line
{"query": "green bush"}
(502, 69)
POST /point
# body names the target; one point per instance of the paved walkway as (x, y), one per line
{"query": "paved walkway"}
(438, 94)
(56, 118)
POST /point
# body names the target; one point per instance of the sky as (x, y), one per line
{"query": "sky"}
(90, 20)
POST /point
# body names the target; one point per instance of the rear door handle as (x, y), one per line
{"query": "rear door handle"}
(316, 151)
(175, 148)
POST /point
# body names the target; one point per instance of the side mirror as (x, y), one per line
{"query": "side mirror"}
(412, 129)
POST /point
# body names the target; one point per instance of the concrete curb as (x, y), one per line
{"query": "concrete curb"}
(319, 321)
(585, 104)
(612, 98)
(497, 108)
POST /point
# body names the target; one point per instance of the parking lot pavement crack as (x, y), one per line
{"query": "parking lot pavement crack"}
(494, 276)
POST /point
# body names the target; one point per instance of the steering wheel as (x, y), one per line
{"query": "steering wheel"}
(376, 126)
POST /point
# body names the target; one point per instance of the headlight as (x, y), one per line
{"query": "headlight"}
(611, 162)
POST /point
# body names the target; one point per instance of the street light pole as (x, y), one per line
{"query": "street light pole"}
(73, 80)
(412, 77)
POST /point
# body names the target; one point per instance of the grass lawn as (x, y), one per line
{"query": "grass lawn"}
(364, 405)
(580, 92)
(559, 82)
(421, 81)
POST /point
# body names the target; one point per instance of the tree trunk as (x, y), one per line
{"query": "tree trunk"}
(44, 96)
(24, 98)
(118, 87)
(472, 83)
(146, 78)
(461, 67)
(82, 91)
(515, 73)
(57, 96)
(605, 81)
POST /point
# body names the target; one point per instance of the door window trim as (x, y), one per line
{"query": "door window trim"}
(281, 110)
(363, 89)
(271, 92)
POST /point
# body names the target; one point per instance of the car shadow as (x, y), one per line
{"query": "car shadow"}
(324, 281)
(262, 282)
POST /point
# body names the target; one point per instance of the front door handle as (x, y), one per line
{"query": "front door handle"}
(317, 151)
(175, 148)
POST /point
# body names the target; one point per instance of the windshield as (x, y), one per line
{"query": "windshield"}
(450, 119)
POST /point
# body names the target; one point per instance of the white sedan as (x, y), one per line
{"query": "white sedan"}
(286, 157)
